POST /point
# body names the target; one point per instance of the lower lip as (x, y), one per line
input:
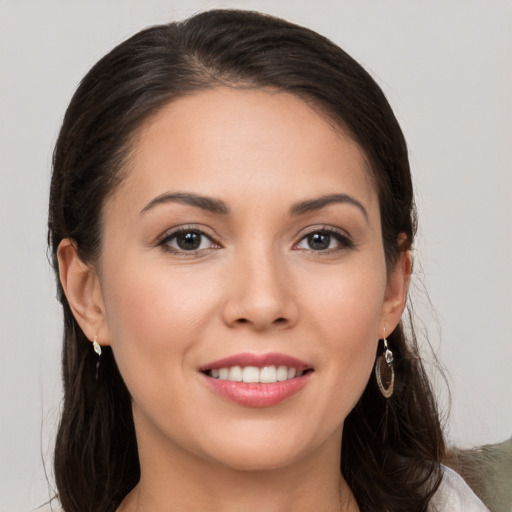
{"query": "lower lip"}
(257, 395)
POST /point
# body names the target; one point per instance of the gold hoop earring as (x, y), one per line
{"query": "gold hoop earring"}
(97, 348)
(388, 358)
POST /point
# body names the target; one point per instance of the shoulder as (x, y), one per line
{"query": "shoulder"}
(454, 495)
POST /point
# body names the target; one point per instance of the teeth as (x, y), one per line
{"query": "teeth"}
(268, 374)
(235, 374)
(282, 373)
(253, 374)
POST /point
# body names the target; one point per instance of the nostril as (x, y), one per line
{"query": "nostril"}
(280, 320)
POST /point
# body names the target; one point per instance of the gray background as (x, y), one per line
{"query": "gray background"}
(446, 69)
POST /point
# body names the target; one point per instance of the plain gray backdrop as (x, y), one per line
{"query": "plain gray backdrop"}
(446, 69)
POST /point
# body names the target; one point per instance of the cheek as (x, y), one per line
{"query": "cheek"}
(150, 303)
(347, 319)
(349, 303)
(154, 318)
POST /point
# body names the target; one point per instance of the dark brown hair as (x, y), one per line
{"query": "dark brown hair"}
(391, 447)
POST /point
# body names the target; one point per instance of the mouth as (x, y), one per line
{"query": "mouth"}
(257, 380)
(255, 375)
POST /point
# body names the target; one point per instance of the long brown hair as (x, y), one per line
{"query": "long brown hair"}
(391, 447)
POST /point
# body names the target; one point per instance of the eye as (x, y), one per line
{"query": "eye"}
(324, 240)
(187, 240)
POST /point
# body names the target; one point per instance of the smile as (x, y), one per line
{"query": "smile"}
(257, 380)
(253, 374)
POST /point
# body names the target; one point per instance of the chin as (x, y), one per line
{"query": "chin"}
(262, 449)
(256, 458)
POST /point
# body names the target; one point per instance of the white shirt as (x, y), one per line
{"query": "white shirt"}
(454, 495)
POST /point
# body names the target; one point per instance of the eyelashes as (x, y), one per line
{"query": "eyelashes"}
(187, 240)
(325, 240)
(192, 241)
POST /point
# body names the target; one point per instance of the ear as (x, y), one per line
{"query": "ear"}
(83, 291)
(396, 289)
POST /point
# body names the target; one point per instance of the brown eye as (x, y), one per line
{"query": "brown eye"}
(190, 241)
(187, 240)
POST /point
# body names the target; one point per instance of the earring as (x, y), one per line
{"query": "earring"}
(388, 357)
(97, 348)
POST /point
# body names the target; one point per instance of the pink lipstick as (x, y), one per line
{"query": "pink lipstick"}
(257, 380)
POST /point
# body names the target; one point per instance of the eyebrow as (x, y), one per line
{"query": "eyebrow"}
(219, 207)
(205, 203)
(312, 205)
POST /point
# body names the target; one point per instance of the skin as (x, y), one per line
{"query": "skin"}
(254, 285)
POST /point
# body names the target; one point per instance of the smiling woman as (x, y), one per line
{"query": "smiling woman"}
(231, 215)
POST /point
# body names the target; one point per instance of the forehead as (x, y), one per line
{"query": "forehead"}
(222, 142)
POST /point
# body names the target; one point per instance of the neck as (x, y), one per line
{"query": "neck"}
(173, 480)
(271, 491)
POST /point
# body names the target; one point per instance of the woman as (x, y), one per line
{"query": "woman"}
(231, 217)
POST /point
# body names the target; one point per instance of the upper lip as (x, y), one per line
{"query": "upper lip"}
(258, 360)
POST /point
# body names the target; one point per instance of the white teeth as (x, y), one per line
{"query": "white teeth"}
(235, 374)
(268, 374)
(253, 374)
(282, 373)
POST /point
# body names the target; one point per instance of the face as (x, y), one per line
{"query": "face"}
(242, 279)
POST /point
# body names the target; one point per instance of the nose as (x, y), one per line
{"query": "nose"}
(260, 292)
